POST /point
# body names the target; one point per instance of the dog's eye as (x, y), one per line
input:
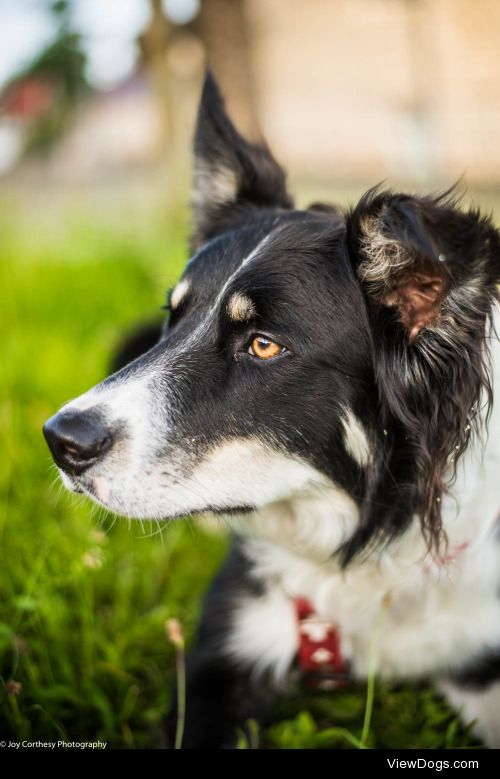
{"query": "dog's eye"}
(264, 348)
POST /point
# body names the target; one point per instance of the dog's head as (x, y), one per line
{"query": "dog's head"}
(304, 351)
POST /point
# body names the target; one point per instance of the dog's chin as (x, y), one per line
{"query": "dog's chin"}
(98, 490)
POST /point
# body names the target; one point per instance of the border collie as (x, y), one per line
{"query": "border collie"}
(325, 382)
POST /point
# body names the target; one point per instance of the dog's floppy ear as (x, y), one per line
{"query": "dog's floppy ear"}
(429, 272)
(231, 174)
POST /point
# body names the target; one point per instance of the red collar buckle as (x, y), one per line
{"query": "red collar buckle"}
(319, 649)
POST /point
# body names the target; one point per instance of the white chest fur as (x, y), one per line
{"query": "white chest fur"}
(428, 618)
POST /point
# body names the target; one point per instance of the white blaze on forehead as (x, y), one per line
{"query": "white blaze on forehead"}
(355, 438)
(208, 320)
(179, 292)
(254, 254)
(240, 308)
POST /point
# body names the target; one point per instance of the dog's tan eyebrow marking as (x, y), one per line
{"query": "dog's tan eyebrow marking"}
(240, 307)
(178, 293)
(207, 321)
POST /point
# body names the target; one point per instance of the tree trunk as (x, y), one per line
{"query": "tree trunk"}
(224, 30)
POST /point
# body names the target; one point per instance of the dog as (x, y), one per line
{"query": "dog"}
(326, 381)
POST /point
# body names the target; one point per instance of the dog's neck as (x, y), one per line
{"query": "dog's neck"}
(473, 504)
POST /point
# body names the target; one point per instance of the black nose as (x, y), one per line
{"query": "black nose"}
(77, 439)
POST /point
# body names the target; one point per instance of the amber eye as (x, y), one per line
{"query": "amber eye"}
(264, 348)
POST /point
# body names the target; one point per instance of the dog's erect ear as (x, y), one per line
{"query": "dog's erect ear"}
(429, 273)
(231, 174)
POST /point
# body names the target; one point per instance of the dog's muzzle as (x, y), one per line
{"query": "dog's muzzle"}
(78, 439)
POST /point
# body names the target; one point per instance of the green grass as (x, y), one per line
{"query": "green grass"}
(84, 598)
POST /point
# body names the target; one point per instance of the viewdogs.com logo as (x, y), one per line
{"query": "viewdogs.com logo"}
(437, 765)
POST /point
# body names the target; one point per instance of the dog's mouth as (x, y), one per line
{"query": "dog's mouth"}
(92, 487)
(98, 490)
(70, 482)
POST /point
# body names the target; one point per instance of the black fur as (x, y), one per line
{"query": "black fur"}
(430, 386)
(319, 370)
(218, 148)
(138, 342)
(221, 695)
(417, 393)
(480, 673)
(383, 310)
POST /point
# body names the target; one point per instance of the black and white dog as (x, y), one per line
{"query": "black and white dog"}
(325, 380)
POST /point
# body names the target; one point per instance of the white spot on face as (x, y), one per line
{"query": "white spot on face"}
(355, 438)
(240, 308)
(179, 293)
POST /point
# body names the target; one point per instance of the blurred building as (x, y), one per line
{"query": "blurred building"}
(345, 90)
(380, 88)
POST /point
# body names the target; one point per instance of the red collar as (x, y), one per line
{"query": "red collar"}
(319, 649)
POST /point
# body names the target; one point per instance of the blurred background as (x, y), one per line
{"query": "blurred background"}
(97, 105)
(346, 90)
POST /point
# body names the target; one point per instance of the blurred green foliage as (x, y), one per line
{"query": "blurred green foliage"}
(60, 64)
(84, 598)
